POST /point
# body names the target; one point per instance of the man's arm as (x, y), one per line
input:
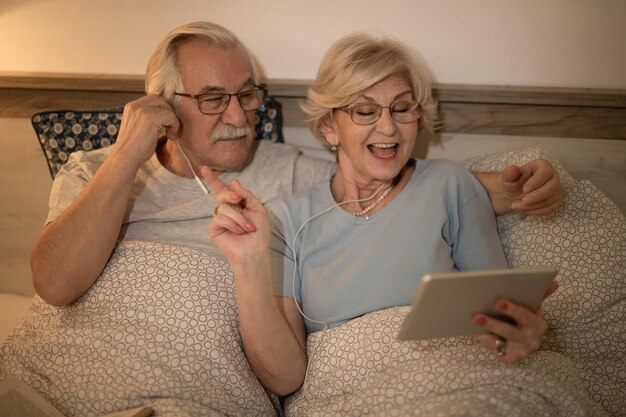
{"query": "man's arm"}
(74, 248)
(533, 188)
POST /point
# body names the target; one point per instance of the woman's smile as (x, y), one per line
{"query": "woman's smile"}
(383, 150)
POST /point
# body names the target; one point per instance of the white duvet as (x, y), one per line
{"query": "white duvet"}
(159, 328)
(360, 369)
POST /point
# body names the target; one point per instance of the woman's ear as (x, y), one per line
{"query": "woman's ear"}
(327, 130)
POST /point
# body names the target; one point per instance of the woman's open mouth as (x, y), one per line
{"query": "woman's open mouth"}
(383, 150)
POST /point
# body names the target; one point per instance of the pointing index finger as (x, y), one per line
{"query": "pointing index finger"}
(212, 179)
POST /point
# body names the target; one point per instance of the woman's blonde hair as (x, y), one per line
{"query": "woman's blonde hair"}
(163, 75)
(357, 62)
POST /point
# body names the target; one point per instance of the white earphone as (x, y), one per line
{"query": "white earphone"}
(204, 188)
(295, 255)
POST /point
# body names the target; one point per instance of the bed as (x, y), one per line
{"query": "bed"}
(174, 343)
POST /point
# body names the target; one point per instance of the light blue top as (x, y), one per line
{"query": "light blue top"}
(349, 266)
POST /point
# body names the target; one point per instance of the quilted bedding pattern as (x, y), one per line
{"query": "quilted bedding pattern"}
(159, 327)
(360, 368)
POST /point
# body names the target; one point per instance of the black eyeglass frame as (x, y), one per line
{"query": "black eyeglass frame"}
(348, 109)
(197, 97)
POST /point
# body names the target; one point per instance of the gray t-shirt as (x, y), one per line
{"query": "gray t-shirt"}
(168, 208)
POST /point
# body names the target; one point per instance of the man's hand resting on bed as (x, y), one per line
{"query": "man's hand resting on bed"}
(533, 188)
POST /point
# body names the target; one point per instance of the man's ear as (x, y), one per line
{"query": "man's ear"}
(327, 129)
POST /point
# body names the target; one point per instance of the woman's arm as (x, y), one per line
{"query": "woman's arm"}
(272, 330)
(479, 247)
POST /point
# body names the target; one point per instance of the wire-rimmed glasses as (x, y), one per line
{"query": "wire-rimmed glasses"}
(217, 103)
(368, 113)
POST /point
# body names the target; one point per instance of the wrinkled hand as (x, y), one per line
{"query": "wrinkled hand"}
(534, 188)
(240, 227)
(522, 338)
(144, 121)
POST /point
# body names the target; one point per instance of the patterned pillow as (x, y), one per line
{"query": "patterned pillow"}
(586, 240)
(269, 121)
(61, 132)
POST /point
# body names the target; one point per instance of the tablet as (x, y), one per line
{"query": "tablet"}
(445, 303)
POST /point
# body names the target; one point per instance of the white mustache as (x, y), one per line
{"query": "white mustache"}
(230, 131)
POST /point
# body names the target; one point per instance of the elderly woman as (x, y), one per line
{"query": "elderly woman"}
(360, 242)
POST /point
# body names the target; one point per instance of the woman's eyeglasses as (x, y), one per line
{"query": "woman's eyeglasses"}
(368, 113)
(217, 103)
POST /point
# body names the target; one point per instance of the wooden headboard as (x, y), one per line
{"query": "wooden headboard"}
(475, 109)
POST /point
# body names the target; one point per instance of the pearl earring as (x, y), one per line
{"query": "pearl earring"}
(333, 148)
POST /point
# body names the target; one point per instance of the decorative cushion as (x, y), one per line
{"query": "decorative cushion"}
(269, 121)
(61, 132)
(586, 240)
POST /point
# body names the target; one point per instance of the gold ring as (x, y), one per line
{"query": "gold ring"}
(215, 211)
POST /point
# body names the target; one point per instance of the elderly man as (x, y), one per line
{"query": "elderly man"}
(202, 97)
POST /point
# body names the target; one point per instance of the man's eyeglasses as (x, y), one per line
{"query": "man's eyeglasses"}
(217, 103)
(368, 113)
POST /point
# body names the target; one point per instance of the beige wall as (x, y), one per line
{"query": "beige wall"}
(569, 43)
